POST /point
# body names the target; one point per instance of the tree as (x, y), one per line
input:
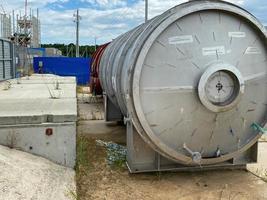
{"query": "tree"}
(69, 50)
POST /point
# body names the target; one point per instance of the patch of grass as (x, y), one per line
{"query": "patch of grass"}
(119, 164)
(72, 194)
(79, 90)
(89, 159)
(82, 161)
(87, 153)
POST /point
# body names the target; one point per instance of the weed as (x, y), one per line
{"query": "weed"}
(72, 194)
(82, 161)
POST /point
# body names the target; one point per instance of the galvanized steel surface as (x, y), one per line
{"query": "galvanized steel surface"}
(7, 65)
(94, 80)
(192, 81)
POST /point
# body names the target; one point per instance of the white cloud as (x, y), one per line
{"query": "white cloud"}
(106, 19)
(107, 4)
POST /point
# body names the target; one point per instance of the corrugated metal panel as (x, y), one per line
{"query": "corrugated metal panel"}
(78, 67)
(7, 66)
(1, 49)
(8, 71)
(7, 50)
(1, 70)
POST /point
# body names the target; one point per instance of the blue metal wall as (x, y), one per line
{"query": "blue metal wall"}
(63, 66)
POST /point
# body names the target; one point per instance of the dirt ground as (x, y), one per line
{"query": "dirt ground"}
(98, 181)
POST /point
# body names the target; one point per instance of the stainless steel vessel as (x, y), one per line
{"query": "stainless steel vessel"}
(191, 84)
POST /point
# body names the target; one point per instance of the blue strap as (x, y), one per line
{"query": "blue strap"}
(258, 127)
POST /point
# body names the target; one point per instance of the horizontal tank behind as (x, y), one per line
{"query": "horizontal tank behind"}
(192, 81)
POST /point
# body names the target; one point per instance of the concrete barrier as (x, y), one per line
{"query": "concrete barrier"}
(38, 115)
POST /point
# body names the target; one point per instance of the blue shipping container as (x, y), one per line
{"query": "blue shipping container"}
(64, 66)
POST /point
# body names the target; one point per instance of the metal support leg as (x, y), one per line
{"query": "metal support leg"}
(112, 113)
(142, 158)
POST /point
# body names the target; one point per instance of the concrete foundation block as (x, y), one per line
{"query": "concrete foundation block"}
(56, 142)
(38, 114)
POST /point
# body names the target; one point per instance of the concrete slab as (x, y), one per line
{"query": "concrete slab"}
(21, 111)
(50, 77)
(37, 87)
(89, 98)
(103, 130)
(31, 106)
(260, 168)
(91, 122)
(24, 177)
(90, 111)
(264, 138)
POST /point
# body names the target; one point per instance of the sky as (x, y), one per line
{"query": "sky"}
(103, 19)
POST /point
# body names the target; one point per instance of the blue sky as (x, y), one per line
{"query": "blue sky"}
(104, 19)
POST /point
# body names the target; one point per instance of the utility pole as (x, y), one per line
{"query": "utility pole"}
(146, 10)
(77, 21)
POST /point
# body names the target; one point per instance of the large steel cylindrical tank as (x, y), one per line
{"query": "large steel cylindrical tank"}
(192, 81)
(94, 79)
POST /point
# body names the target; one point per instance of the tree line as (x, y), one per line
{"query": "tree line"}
(69, 50)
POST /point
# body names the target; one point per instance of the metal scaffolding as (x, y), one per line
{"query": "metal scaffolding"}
(28, 33)
(22, 30)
